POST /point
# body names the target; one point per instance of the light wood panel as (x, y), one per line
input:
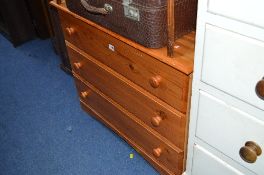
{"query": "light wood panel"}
(171, 124)
(130, 127)
(140, 93)
(165, 82)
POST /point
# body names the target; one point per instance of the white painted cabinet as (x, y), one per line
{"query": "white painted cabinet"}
(226, 132)
(227, 129)
(233, 63)
(206, 163)
(248, 11)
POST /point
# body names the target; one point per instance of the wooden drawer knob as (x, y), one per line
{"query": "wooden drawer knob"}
(77, 65)
(155, 121)
(70, 31)
(155, 81)
(157, 152)
(85, 94)
(260, 89)
(250, 152)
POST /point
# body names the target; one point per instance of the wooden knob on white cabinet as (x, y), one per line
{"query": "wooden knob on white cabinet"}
(260, 89)
(250, 152)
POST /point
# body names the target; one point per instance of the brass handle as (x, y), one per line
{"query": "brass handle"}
(157, 152)
(155, 81)
(250, 152)
(260, 89)
(70, 31)
(85, 94)
(156, 120)
(77, 65)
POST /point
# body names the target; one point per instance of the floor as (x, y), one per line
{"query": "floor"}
(43, 130)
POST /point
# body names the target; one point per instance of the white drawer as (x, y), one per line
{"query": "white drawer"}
(205, 163)
(233, 63)
(228, 129)
(248, 11)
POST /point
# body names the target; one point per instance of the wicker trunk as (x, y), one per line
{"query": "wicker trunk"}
(143, 21)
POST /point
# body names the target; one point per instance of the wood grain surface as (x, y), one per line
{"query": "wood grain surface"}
(140, 93)
(145, 106)
(128, 61)
(130, 127)
(184, 47)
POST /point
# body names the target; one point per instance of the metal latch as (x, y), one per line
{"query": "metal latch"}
(131, 12)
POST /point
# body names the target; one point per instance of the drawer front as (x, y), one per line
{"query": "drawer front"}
(228, 129)
(170, 157)
(161, 80)
(234, 64)
(239, 10)
(205, 163)
(166, 122)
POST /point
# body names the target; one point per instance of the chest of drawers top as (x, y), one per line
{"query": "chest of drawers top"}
(184, 47)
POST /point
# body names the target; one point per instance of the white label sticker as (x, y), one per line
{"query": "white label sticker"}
(111, 47)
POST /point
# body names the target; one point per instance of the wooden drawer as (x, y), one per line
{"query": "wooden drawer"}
(205, 163)
(166, 121)
(239, 10)
(234, 63)
(130, 128)
(163, 81)
(228, 129)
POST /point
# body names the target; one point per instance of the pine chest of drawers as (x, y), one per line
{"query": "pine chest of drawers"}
(139, 93)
